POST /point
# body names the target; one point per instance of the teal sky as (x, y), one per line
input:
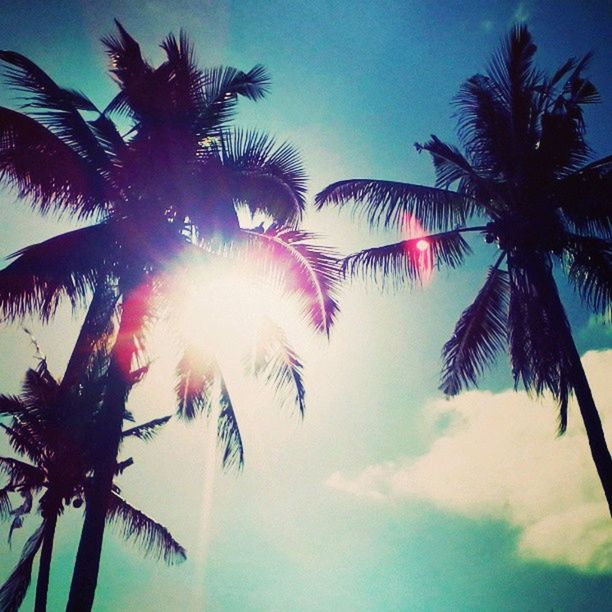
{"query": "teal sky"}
(386, 497)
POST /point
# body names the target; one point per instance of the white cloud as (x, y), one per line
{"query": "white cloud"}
(499, 458)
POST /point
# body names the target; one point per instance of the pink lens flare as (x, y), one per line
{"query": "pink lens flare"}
(422, 245)
(418, 249)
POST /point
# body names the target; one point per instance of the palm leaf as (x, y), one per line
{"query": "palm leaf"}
(480, 334)
(11, 405)
(266, 177)
(305, 269)
(149, 535)
(221, 88)
(56, 107)
(584, 198)
(14, 589)
(196, 374)
(24, 441)
(390, 204)
(146, 431)
(589, 268)
(452, 167)
(276, 360)
(42, 274)
(127, 64)
(47, 171)
(21, 475)
(228, 432)
(538, 357)
(6, 508)
(408, 261)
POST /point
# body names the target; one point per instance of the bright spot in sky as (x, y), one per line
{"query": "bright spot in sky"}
(225, 302)
(420, 252)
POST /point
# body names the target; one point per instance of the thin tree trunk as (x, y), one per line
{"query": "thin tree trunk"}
(592, 424)
(588, 410)
(95, 327)
(85, 576)
(42, 583)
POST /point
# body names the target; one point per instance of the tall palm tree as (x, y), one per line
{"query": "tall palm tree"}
(168, 186)
(58, 443)
(524, 173)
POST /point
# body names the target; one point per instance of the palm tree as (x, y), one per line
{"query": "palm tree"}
(58, 444)
(170, 185)
(524, 173)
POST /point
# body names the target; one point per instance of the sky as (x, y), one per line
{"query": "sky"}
(387, 496)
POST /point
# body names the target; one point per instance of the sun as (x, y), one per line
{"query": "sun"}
(222, 303)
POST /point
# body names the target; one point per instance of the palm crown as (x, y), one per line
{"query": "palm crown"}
(57, 443)
(524, 172)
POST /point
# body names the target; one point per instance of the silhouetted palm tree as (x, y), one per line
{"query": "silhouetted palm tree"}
(524, 171)
(170, 185)
(58, 444)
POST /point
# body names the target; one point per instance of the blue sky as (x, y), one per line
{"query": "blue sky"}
(386, 497)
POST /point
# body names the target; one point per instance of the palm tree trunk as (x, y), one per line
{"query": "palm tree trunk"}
(592, 424)
(42, 583)
(94, 328)
(85, 576)
(588, 410)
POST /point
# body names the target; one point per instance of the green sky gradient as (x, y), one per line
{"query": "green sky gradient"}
(355, 84)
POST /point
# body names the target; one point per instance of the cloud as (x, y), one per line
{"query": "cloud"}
(498, 458)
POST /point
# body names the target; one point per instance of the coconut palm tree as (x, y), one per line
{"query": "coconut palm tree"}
(168, 186)
(57, 442)
(525, 173)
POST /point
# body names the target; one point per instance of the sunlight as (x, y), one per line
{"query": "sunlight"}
(225, 304)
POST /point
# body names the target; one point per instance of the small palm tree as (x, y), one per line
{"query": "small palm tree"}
(525, 172)
(170, 185)
(59, 451)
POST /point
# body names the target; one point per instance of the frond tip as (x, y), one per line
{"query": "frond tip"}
(479, 334)
(152, 537)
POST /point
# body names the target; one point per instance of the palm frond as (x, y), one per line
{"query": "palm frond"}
(584, 197)
(452, 167)
(11, 405)
(276, 360)
(122, 466)
(196, 374)
(228, 432)
(21, 475)
(305, 269)
(149, 535)
(127, 63)
(408, 261)
(539, 360)
(480, 334)
(56, 107)
(390, 204)
(65, 266)
(6, 508)
(24, 442)
(266, 177)
(221, 88)
(512, 65)
(14, 589)
(146, 431)
(47, 171)
(589, 268)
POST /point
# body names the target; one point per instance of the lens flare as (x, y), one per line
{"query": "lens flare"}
(418, 249)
